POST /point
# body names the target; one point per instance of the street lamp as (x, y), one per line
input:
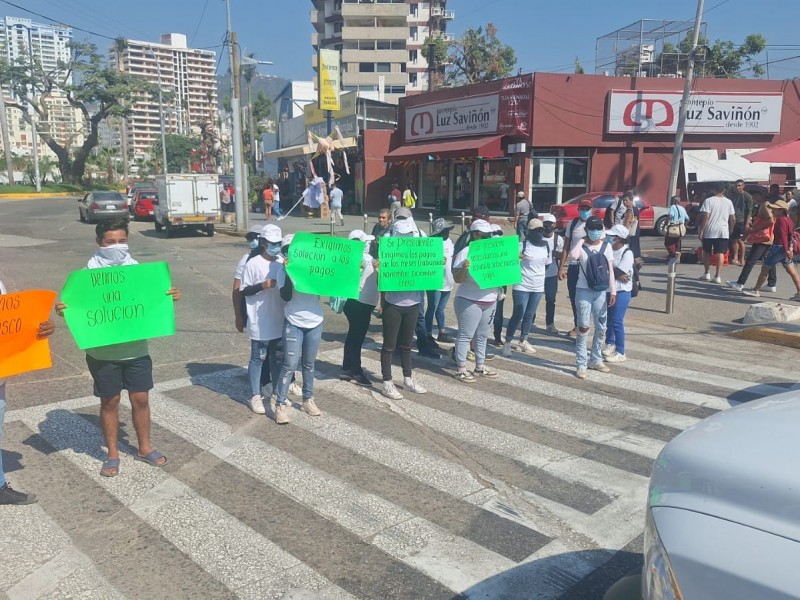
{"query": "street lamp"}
(149, 50)
(247, 60)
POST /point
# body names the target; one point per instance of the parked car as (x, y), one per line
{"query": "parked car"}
(146, 184)
(102, 205)
(722, 517)
(143, 204)
(651, 218)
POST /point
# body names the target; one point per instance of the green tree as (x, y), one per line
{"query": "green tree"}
(723, 59)
(479, 56)
(98, 91)
(579, 67)
(182, 150)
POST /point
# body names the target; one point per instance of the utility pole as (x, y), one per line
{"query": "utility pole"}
(164, 168)
(236, 134)
(6, 139)
(687, 88)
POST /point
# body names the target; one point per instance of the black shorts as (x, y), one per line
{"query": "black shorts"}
(112, 376)
(738, 231)
(715, 245)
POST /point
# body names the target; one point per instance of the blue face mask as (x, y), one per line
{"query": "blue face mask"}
(274, 249)
(253, 244)
(595, 234)
(585, 214)
(611, 239)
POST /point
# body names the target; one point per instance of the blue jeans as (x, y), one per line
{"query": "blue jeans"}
(525, 304)
(300, 348)
(259, 351)
(616, 321)
(276, 208)
(2, 418)
(475, 321)
(437, 302)
(592, 309)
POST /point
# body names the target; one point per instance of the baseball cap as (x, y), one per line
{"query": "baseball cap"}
(594, 223)
(520, 194)
(480, 225)
(496, 229)
(585, 202)
(287, 239)
(619, 231)
(403, 227)
(358, 234)
(271, 233)
(480, 212)
(547, 217)
(440, 225)
(779, 204)
(403, 213)
(535, 224)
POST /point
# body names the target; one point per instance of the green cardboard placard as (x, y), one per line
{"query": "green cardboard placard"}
(325, 265)
(411, 264)
(113, 305)
(495, 262)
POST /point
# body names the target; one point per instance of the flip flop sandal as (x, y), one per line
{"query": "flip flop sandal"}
(152, 458)
(112, 463)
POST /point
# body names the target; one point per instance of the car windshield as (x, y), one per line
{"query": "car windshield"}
(147, 195)
(603, 201)
(107, 196)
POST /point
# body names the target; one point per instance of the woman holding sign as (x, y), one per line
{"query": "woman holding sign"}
(474, 310)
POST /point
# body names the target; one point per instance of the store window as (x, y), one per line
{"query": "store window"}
(558, 176)
(462, 184)
(494, 186)
(432, 191)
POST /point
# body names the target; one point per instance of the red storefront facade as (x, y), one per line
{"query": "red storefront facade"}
(558, 135)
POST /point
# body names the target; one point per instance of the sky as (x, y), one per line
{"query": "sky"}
(546, 35)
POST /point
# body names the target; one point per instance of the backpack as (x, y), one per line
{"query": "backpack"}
(608, 216)
(409, 199)
(796, 243)
(596, 270)
(571, 227)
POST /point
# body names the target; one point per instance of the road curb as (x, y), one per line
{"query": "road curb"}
(769, 335)
(42, 196)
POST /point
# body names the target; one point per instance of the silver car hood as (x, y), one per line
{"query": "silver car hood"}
(742, 465)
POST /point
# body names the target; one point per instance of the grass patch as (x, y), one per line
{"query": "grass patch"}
(56, 188)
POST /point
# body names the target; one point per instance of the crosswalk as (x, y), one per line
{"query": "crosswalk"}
(517, 487)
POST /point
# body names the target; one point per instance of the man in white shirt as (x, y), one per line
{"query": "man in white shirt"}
(717, 218)
(336, 197)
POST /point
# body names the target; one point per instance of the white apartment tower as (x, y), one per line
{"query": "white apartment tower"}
(188, 80)
(382, 43)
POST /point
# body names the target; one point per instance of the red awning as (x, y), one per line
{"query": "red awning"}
(471, 147)
(787, 152)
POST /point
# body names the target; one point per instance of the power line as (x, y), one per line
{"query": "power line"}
(199, 22)
(56, 21)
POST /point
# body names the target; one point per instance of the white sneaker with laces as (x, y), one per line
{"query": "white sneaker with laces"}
(608, 350)
(390, 391)
(310, 407)
(257, 405)
(506, 352)
(599, 367)
(615, 358)
(413, 386)
(717, 279)
(705, 277)
(295, 389)
(526, 348)
(753, 293)
(282, 414)
(735, 285)
(770, 288)
(580, 373)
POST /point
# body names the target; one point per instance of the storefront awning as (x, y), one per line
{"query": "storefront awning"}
(306, 150)
(471, 147)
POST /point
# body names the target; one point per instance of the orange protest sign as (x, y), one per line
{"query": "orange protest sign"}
(20, 315)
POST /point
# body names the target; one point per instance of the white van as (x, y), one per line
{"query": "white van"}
(187, 201)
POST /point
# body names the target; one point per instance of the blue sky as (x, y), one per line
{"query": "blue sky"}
(546, 35)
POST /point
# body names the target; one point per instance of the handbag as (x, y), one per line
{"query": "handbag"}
(676, 230)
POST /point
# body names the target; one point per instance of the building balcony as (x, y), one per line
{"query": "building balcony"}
(374, 10)
(315, 39)
(352, 79)
(437, 12)
(447, 37)
(390, 56)
(314, 61)
(375, 33)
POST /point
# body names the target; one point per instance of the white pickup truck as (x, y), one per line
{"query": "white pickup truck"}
(187, 201)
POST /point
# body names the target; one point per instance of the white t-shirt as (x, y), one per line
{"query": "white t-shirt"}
(623, 260)
(583, 258)
(449, 283)
(468, 288)
(240, 267)
(368, 287)
(404, 298)
(552, 266)
(303, 310)
(336, 198)
(718, 209)
(575, 234)
(276, 193)
(264, 309)
(533, 264)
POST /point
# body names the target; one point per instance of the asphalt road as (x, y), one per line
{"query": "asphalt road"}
(532, 485)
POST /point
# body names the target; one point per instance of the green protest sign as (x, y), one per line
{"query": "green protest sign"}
(411, 264)
(113, 305)
(495, 262)
(325, 265)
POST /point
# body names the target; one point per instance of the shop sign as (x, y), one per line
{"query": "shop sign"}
(631, 111)
(347, 108)
(463, 116)
(348, 126)
(329, 79)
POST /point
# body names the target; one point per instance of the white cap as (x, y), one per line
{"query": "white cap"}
(404, 227)
(619, 231)
(271, 233)
(358, 234)
(520, 194)
(255, 229)
(481, 225)
(287, 239)
(547, 217)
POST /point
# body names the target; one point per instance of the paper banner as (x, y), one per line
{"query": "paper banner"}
(114, 305)
(495, 262)
(325, 265)
(411, 264)
(20, 315)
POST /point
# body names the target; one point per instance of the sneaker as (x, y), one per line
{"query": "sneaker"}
(362, 380)
(705, 277)
(770, 288)
(9, 496)
(573, 333)
(470, 355)
(497, 343)
(295, 389)
(257, 405)
(429, 353)
(735, 285)
(615, 358)
(485, 372)
(346, 375)
(412, 386)
(445, 339)
(753, 293)
(608, 350)
(795, 298)
(581, 373)
(310, 408)
(506, 352)
(488, 356)
(432, 342)
(526, 348)
(717, 279)
(282, 414)
(599, 367)
(390, 391)
(553, 330)
(464, 376)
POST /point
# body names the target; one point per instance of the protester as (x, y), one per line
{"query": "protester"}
(239, 314)
(614, 350)
(437, 300)
(336, 197)
(677, 216)
(717, 217)
(380, 229)
(302, 334)
(555, 244)
(474, 309)
(497, 231)
(780, 251)
(592, 297)
(358, 313)
(760, 238)
(8, 495)
(743, 209)
(534, 255)
(125, 366)
(400, 313)
(574, 233)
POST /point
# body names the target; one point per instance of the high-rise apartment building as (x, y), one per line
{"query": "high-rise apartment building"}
(188, 80)
(382, 44)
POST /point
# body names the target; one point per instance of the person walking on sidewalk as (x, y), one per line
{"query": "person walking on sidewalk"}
(717, 218)
(781, 251)
(336, 198)
(276, 202)
(743, 207)
(614, 350)
(574, 233)
(760, 238)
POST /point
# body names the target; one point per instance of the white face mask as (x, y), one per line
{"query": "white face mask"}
(115, 253)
